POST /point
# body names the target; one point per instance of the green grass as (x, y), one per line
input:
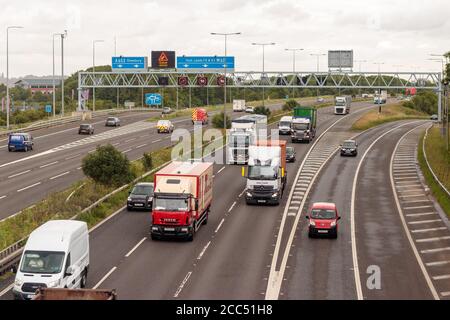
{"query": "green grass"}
(439, 159)
(390, 113)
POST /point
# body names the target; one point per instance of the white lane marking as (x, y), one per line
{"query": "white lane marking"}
(221, 170)
(404, 185)
(200, 256)
(104, 278)
(220, 225)
(415, 201)
(48, 165)
(116, 144)
(135, 247)
(432, 239)
(6, 290)
(428, 230)
(415, 196)
(18, 174)
(424, 222)
(141, 146)
(60, 175)
(405, 225)
(445, 294)
(232, 207)
(415, 208)
(126, 151)
(443, 277)
(180, 288)
(2, 197)
(421, 214)
(436, 250)
(159, 140)
(73, 157)
(29, 187)
(242, 193)
(437, 263)
(129, 140)
(79, 168)
(92, 151)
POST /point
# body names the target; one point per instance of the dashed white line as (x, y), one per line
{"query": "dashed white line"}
(135, 247)
(104, 278)
(73, 157)
(7, 289)
(159, 140)
(221, 170)
(29, 187)
(180, 288)
(445, 294)
(141, 146)
(19, 174)
(2, 197)
(60, 175)
(129, 140)
(232, 207)
(49, 164)
(203, 251)
(126, 151)
(220, 226)
(79, 168)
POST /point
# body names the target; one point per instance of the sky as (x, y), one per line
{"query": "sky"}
(399, 33)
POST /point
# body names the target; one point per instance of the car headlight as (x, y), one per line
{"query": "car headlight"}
(53, 284)
(249, 194)
(150, 199)
(312, 223)
(129, 199)
(333, 224)
(18, 283)
(275, 195)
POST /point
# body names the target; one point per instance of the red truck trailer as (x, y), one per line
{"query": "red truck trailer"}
(182, 199)
(200, 115)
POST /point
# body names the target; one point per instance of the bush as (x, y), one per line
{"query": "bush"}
(108, 167)
(263, 111)
(147, 161)
(218, 121)
(290, 105)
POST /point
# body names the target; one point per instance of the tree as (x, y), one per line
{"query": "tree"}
(218, 121)
(147, 161)
(290, 105)
(263, 111)
(108, 166)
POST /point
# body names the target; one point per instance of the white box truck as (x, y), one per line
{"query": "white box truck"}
(239, 105)
(56, 255)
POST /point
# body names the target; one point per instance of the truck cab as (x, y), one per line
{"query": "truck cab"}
(200, 116)
(266, 176)
(304, 124)
(342, 105)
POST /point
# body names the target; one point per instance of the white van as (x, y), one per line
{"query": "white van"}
(285, 125)
(56, 255)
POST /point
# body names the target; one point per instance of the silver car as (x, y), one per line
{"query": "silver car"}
(112, 122)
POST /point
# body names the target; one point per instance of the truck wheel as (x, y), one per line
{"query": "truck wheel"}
(192, 235)
(26, 149)
(83, 280)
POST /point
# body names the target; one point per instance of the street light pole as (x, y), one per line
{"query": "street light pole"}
(115, 54)
(379, 97)
(93, 69)
(225, 35)
(318, 55)
(54, 75)
(360, 63)
(263, 45)
(7, 73)
(63, 35)
(293, 53)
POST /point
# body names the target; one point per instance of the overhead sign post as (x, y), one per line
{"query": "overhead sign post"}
(212, 64)
(153, 99)
(129, 64)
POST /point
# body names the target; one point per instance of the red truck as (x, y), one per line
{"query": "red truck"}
(182, 199)
(200, 115)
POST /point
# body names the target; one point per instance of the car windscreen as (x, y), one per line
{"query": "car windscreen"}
(323, 214)
(171, 204)
(142, 190)
(349, 145)
(84, 126)
(111, 119)
(300, 126)
(44, 262)
(16, 138)
(290, 151)
(285, 124)
(262, 173)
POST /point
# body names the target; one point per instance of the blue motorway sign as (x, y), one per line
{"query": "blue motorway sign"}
(153, 99)
(205, 64)
(129, 63)
(48, 108)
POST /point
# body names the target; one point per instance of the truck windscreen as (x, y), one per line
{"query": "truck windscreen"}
(262, 173)
(171, 205)
(340, 103)
(240, 140)
(300, 126)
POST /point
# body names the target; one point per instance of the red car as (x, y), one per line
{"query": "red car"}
(323, 220)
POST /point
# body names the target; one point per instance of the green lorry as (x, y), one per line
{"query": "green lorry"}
(304, 124)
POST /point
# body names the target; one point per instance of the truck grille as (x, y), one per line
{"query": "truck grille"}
(32, 287)
(262, 190)
(170, 221)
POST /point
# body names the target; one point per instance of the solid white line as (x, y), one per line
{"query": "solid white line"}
(220, 225)
(60, 175)
(414, 196)
(242, 193)
(135, 247)
(221, 170)
(437, 263)
(436, 250)
(428, 230)
(29, 187)
(48, 165)
(232, 207)
(104, 278)
(73, 157)
(18, 174)
(203, 251)
(6, 290)
(180, 288)
(116, 144)
(405, 225)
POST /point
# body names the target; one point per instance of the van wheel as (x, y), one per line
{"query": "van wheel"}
(26, 149)
(83, 280)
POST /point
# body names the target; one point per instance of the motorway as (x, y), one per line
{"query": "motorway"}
(250, 252)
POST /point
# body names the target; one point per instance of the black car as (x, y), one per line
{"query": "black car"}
(349, 148)
(86, 129)
(290, 154)
(141, 197)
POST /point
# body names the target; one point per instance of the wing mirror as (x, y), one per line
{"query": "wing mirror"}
(69, 271)
(196, 205)
(307, 217)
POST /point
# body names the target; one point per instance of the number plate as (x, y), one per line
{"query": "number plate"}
(323, 231)
(261, 201)
(169, 229)
(139, 205)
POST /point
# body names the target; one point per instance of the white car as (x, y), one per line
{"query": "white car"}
(165, 126)
(249, 109)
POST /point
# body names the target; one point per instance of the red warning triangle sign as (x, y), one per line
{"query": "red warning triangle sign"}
(163, 58)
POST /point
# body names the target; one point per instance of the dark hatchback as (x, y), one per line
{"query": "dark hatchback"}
(86, 129)
(349, 148)
(141, 197)
(290, 154)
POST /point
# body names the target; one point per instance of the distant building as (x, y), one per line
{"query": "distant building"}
(38, 85)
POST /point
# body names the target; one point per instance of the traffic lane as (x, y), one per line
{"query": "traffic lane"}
(321, 269)
(238, 261)
(156, 269)
(380, 238)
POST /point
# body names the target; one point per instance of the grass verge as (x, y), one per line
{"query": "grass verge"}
(390, 113)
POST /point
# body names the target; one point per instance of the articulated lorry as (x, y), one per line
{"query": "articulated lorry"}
(342, 105)
(239, 105)
(244, 132)
(182, 199)
(304, 124)
(267, 175)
